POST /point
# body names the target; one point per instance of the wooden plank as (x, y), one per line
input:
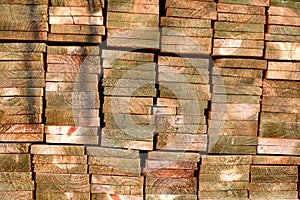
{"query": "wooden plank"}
(134, 8)
(224, 178)
(244, 27)
(128, 133)
(170, 196)
(180, 146)
(275, 160)
(280, 117)
(236, 80)
(73, 29)
(247, 2)
(166, 164)
(240, 9)
(59, 159)
(24, 26)
(165, 190)
(274, 194)
(112, 152)
(234, 89)
(72, 139)
(113, 189)
(232, 115)
(237, 52)
(32, 2)
(208, 12)
(190, 32)
(238, 35)
(223, 194)
(189, 5)
(256, 187)
(78, 3)
(127, 55)
(126, 143)
(57, 149)
(279, 129)
(70, 87)
(185, 22)
(245, 18)
(241, 63)
(280, 84)
(274, 179)
(14, 148)
(117, 180)
(62, 182)
(22, 47)
(186, 40)
(133, 92)
(235, 99)
(52, 195)
(76, 20)
(283, 20)
(59, 169)
(239, 131)
(291, 4)
(282, 11)
(283, 30)
(225, 186)
(283, 75)
(73, 50)
(23, 35)
(116, 171)
(170, 173)
(225, 160)
(22, 195)
(280, 101)
(274, 170)
(114, 162)
(132, 17)
(232, 43)
(75, 11)
(132, 74)
(74, 38)
(173, 156)
(15, 162)
(97, 196)
(133, 43)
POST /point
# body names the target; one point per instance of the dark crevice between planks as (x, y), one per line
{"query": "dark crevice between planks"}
(143, 157)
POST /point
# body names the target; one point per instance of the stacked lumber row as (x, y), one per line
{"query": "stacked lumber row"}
(235, 105)
(133, 23)
(24, 20)
(224, 177)
(22, 81)
(186, 29)
(274, 177)
(15, 171)
(280, 116)
(239, 30)
(170, 175)
(115, 173)
(183, 96)
(129, 89)
(60, 172)
(283, 30)
(76, 21)
(72, 97)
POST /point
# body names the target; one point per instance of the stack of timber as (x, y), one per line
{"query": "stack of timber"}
(224, 177)
(235, 105)
(129, 88)
(283, 30)
(72, 98)
(24, 20)
(15, 171)
(280, 116)
(133, 23)
(239, 30)
(186, 29)
(21, 91)
(76, 21)
(60, 172)
(183, 96)
(170, 175)
(274, 177)
(116, 174)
